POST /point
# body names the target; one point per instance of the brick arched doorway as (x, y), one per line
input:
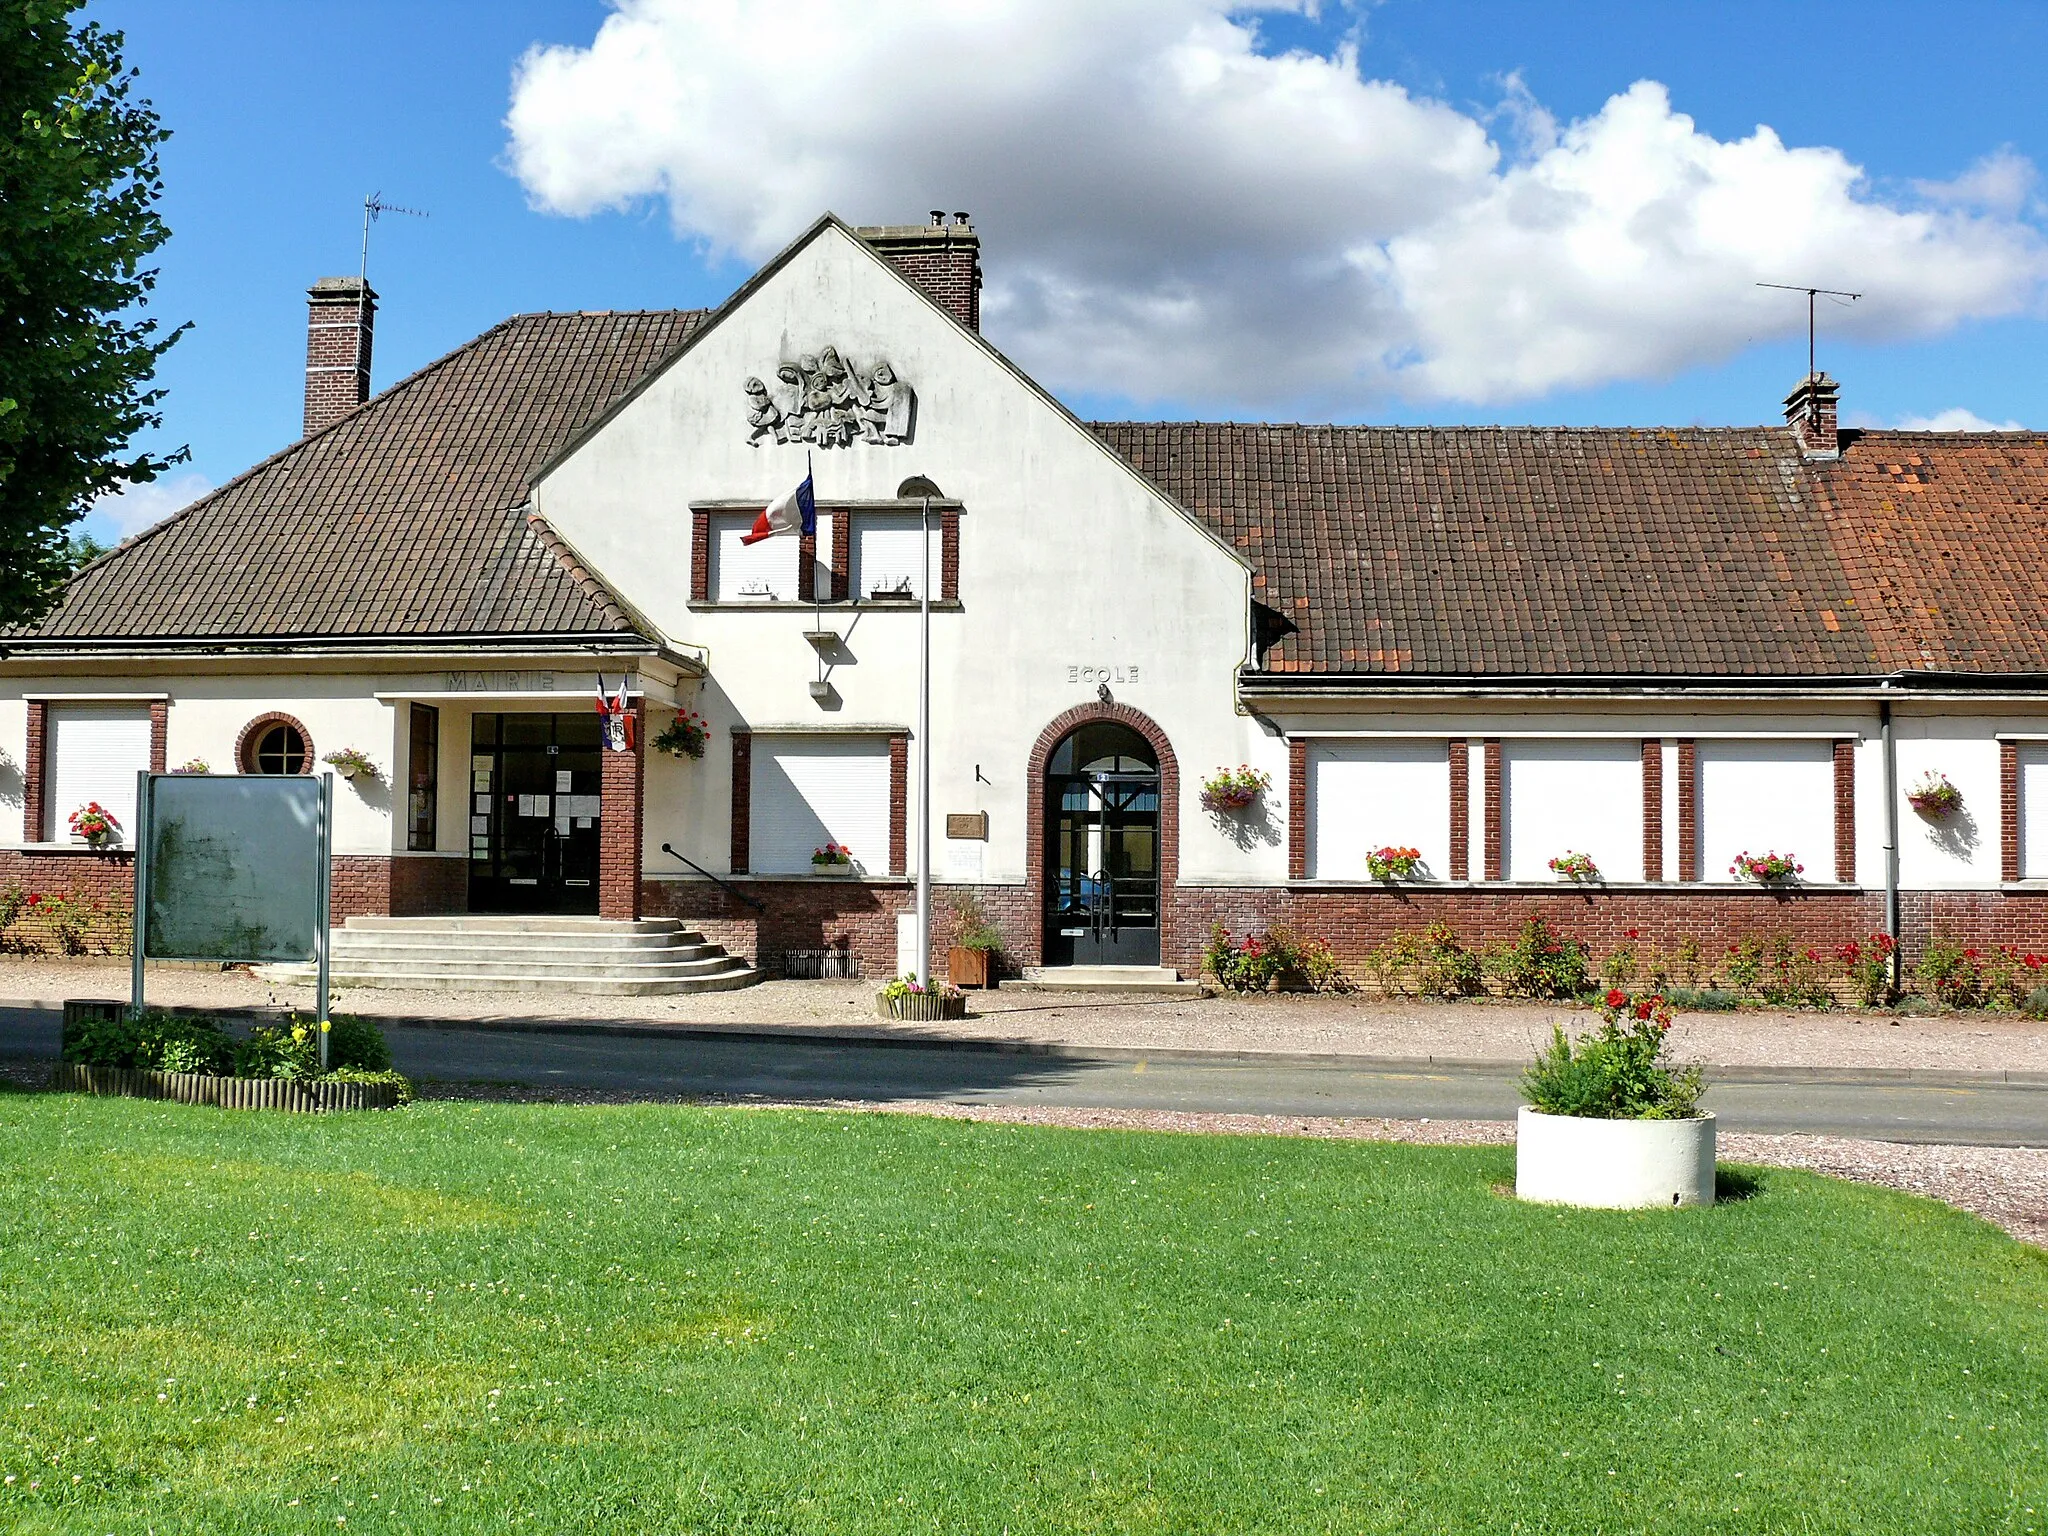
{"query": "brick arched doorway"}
(1041, 829)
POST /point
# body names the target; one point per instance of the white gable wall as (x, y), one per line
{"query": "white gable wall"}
(1072, 570)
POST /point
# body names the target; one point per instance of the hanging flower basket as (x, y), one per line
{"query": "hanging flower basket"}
(685, 736)
(351, 763)
(1394, 863)
(1576, 867)
(1934, 797)
(1766, 868)
(95, 824)
(193, 765)
(1232, 789)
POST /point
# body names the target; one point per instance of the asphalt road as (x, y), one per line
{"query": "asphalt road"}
(1956, 1107)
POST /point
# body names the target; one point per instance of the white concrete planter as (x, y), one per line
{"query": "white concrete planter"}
(1614, 1164)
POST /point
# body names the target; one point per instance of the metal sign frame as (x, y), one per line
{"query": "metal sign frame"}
(145, 815)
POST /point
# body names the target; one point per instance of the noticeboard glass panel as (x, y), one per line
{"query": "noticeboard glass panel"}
(234, 867)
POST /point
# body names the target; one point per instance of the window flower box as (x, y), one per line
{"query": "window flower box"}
(1766, 868)
(1934, 797)
(1394, 863)
(94, 825)
(1576, 867)
(834, 860)
(1233, 789)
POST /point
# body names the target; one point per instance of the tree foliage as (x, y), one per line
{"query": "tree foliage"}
(78, 190)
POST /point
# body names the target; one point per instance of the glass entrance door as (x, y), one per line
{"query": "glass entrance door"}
(1102, 854)
(534, 812)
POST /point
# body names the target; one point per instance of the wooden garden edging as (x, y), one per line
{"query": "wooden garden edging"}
(311, 1098)
(928, 1007)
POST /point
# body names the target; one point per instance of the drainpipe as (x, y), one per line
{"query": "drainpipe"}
(1891, 837)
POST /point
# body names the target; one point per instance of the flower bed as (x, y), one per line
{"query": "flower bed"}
(193, 1059)
(1232, 789)
(320, 1095)
(904, 997)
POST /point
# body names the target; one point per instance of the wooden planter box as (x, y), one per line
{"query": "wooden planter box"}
(926, 1007)
(223, 1092)
(970, 967)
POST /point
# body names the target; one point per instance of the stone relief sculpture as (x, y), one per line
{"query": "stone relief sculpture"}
(826, 402)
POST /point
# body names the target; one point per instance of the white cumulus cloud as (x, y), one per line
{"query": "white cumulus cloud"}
(1956, 419)
(126, 512)
(1173, 214)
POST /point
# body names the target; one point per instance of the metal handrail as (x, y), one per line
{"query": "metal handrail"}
(723, 885)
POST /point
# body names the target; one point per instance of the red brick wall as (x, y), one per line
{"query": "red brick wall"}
(806, 567)
(950, 273)
(1653, 810)
(621, 789)
(842, 552)
(2008, 809)
(899, 802)
(426, 886)
(32, 773)
(1845, 812)
(1461, 808)
(1492, 830)
(363, 884)
(337, 374)
(159, 733)
(700, 555)
(1688, 811)
(949, 557)
(742, 799)
(1297, 809)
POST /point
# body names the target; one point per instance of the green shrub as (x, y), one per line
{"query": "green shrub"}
(2036, 1005)
(365, 1075)
(1274, 956)
(1870, 968)
(1393, 962)
(1691, 964)
(1444, 967)
(1542, 964)
(1793, 977)
(1702, 1000)
(292, 1049)
(1617, 1073)
(102, 1042)
(154, 1041)
(1951, 974)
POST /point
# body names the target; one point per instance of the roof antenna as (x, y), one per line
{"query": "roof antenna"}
(1833, 293)
(373, 206)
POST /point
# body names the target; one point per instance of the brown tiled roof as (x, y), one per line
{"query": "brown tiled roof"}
(1522, 551)
(1946, 535)
(403, 519)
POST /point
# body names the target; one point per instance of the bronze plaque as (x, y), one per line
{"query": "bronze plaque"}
(971, 824)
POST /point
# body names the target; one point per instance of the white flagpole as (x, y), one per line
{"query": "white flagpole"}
(924, 753)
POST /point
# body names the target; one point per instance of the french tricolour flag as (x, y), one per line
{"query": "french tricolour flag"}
(793, 511)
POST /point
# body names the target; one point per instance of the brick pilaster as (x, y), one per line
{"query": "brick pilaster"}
(622, 784)
(1653, 810)
(1492, 828)
(1845, 812)
(2008, 809)
(33, 773)
(949, 557)
(807, 567)
(842, 553)
(742, 799)
(1688, 810)
(700, 555)
(159, 733)
(899, 803)
(1297, 808)
(1461, 809)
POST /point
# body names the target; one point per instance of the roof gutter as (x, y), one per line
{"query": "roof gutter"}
(1304, 686)
(606, 643)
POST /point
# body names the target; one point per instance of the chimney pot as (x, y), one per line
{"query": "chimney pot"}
(1810, 412)
(341, 326)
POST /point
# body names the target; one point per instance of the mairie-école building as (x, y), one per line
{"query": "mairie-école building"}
(1660, 648)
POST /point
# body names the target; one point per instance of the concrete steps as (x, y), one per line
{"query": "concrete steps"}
(525, 954)
(1158, 980)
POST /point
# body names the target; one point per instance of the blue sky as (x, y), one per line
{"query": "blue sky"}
(285, 115)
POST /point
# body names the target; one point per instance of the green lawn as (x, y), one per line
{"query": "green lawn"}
(464, 1317)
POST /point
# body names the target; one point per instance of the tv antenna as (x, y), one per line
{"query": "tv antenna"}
(1843, 294)
(373, 207)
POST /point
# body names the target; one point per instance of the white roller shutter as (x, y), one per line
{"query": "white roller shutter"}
(2033, 813)
(888, 551)
(811, 790)
(1763, 797)
(1364, 795)
(95, 751)
(758, 573)
(1573, 797)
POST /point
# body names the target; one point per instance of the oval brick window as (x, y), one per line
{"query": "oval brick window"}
(274, 744)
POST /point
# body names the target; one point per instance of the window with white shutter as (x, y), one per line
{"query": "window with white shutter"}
(2033, 813)
(1573, 797)
(888, 554)
(1364, 795)
(1760, 797)
(94, 752)
(742, 573)
(811, 790)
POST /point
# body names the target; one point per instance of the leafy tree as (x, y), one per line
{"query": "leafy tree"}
(78, 191)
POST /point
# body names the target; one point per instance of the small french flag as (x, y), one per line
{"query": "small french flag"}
(793, 511)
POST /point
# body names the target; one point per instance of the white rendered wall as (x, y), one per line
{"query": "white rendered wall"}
(1365, 795)
(1764, 797)
(13, 765)
(1074, 575)
(1572, 797)
(2034, 812)
(1957, 850)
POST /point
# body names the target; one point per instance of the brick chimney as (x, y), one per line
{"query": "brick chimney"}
(1810, 412)
(341, 324)
(944, 259)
